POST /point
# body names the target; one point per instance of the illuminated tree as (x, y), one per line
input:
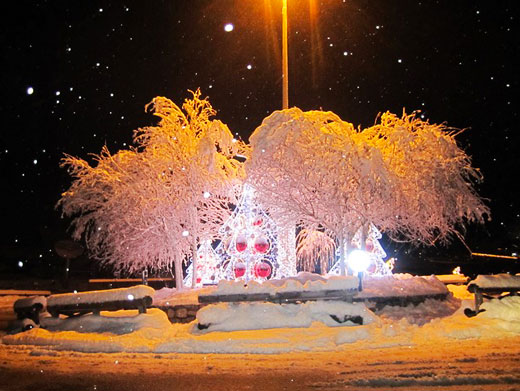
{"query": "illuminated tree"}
(311, 167)
(315, 248)
(405, 176)
(150, 206)
(436, 197)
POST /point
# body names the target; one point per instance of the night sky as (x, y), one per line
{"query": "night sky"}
(77, 74)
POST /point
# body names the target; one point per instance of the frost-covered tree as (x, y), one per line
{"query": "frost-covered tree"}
(436, 196)
(315, 248)
(405, 176)
(312, 167)
(150, 206)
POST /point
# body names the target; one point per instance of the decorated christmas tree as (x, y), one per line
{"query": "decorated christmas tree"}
(376, 253)
(249, 247)
(207, 266)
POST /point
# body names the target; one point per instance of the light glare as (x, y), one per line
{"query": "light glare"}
(359, 261)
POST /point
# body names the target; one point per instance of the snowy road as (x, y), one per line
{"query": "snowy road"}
(475, 364)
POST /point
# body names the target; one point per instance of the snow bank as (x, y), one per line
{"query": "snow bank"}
(506, 308)
(401, 285)
(120, 294)
(250, 316)
(422, 313)
(437, 321)
(116, 322)
(303, 282)
(497, 281)
(156, 335)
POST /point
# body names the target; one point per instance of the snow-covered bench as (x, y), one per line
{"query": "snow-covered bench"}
(28, 312)
(284, 291)
(378, 292)
(139, 297)
(488, 286)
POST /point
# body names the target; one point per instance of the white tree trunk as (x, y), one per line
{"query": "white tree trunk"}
(342, 259)
(363, 239)
(194, 260)
(179, 278)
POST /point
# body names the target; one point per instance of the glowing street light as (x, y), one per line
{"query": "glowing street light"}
(359, 261)
(285, 59)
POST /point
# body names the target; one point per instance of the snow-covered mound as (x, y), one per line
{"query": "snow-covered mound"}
(497, 281)
(421, 313)
(506, 308)
(161, 337)
(303, 282)
(401, 285)
(254, 316)
(116, 322)
(120, 294)
(396, 326)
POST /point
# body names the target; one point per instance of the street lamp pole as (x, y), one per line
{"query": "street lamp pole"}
(285, 60)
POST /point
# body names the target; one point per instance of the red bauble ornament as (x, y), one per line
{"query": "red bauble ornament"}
(241, 243)
(258, 221)
(369, 246)
(261, 245)
(239, 269)
(262, 270)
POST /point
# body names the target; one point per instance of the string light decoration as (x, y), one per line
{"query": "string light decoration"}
(207, 266)
(377, 265)
(249, 248)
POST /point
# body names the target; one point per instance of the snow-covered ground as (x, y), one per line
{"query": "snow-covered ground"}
(272, 328)
(428, 346)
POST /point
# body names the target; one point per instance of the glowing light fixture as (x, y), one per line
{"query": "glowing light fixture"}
(228, 27)
(359, 261)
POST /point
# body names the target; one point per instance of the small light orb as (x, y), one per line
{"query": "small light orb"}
(228, 27)
(185, 233)
(30, 90)
(20, 264)
(35, 161)
(130, 297)
(206, 194)
(249, 66)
